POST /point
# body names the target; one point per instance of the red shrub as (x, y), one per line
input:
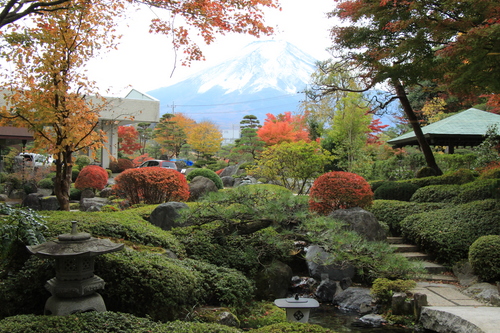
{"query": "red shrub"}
(92, 176)
(152, 185)
(339, 190)
(120, 165)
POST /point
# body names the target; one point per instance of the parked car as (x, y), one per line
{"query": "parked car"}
(33, 161)
(159, 163)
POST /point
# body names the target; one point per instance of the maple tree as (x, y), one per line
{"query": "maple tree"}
(283, 128)
(205, 138)
(47, 91)
(127, 139)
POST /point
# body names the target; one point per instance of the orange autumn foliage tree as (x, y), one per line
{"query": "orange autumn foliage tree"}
(47, 91)
(283, 128)
(205, 138)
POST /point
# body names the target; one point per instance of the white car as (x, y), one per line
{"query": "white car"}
(159, 163)
(32, 160)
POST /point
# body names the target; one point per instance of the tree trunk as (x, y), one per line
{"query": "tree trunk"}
(62, 182)
(424, 145)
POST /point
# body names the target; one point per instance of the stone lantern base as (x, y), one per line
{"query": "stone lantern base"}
(58, 306)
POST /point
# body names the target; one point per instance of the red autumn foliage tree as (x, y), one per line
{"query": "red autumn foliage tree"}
(375, 128)
(92, 176)
(339, 190)
(152, 185)
(283, 128)
(128, 138)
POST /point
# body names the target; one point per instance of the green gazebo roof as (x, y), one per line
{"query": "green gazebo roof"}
(466, 128)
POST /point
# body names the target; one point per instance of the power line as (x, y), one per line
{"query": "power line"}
(224, 104)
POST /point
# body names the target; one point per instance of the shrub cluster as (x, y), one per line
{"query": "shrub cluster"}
(447, 233)
(437, 193)
(207, 173)
(93, 177)
(152, 185)
(484, 256)
(339, 190)
(395, 191)
(392, 212)
(103, 322)
(383, 289)
(479, 190)
(459, 177)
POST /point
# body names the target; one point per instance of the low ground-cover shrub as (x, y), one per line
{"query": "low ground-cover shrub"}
(447, 233)
(93, 177)
(103, 322)
(484, 256)
(479, 190)
(392, 212)
(207, 173)
(436, 193)
(395, 191)
(339, 190)
(128, 225)
(152, 185)
(383, 289)
(259, 314)
(292, 328)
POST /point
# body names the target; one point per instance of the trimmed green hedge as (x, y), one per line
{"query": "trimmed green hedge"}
(395, 191)
(437, 193)
(459, 177)
(484, 256)
(103, 322)
(207, 173)
(447, 233)
(479, 190)
(392, 212)
(129, 225)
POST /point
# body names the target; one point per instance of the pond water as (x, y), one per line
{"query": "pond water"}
(333, 318)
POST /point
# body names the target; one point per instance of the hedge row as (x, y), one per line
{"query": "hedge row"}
(447, 233)
(478, 190)
(392, 212)
(138, 283)
(103, 322)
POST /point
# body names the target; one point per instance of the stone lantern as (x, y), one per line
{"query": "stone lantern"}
(297, 308)
(74, 287)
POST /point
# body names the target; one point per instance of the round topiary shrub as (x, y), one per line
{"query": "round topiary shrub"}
(425, 172)
(75, 194)
(46, 183)
(92, 176)
(120, 165)
(395, 191)
(484, 256)
(82, 161)
(152, 185)
(339, 190)
(207, 173)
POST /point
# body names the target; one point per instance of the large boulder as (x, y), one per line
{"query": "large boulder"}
(362, 222)
(49, 203)
(319, 265)
(326, 291)
(227, 181)
(229, 171)
(165, 215)
(353, 299)
(32, 201)
(200, 186)
(273, 281)
(93, 204)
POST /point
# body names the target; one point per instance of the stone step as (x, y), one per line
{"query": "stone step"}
(433, 268)
(395, 240)
(439, 277)
(415, 255)
(404, 248)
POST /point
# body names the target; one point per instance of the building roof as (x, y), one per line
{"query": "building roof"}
(466, 128)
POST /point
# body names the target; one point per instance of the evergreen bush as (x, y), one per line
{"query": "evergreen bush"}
(93, 177)
(82, 161)
(461, 176)
(74, 174)
(207, 173)
(392, 212)
(383, 289)
(479, 190)
(152, 185)
(484, 256)
(339, 190)
(395, 191)
(46, 183)
(75, 194)
(425, 172)
(448, 233)
(437, 193)
(292, 328)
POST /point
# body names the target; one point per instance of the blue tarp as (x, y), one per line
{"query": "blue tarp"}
(188, 162)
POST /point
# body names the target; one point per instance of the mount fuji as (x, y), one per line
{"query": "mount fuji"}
(265, 77)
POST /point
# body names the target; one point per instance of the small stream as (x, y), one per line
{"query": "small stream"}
(340, 321)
